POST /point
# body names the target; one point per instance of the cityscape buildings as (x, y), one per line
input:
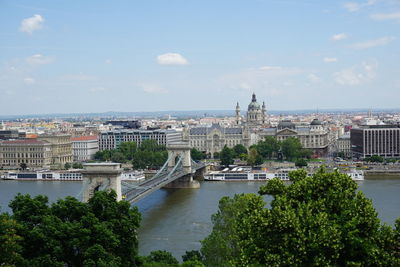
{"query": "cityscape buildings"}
(380, 140)
(84, 147)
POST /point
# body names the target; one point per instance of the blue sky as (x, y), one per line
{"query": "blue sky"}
(95, 56)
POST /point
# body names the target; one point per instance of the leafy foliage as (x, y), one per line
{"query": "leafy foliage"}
(102, 232)
(268, 148)
(148, 155)
(10, 247)
(197, 155)
(161, 258)
(316, 220)
(254, 158)
(239, 149)
(226, 156)
(192, 255)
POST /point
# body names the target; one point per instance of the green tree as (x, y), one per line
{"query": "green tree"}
(375, 158)
(291, 148)
(192, 255)
(226, 156)
(118, 157)
(102, 232)
(222, 245)
(316, 220)
(10, 248)
(254, 158)
(305, 153)
(77, 165)
(23, 166)
(268, 147)
(151, 145)
(104, 155)
(196, 154)
(161, 258)
(239, 149)
(128, 149)
(67, 166)
(301, 163)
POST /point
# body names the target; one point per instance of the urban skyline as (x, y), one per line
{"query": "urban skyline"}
(61, 57)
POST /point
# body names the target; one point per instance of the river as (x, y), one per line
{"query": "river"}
(177, 219)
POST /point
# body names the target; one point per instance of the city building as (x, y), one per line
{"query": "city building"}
(211, 139)
(11, 134)
(84, 147)
(111, 139)
(32, 152)
(61, 149)
(381, 140)
(343, 145)
(256, 114)
(313, 136)
(127, 124)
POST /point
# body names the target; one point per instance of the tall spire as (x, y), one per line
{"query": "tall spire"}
(253, 98)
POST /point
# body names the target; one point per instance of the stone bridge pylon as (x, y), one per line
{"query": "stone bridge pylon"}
(101, 177)
(176, 151)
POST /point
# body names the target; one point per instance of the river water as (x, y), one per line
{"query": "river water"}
(177, 219)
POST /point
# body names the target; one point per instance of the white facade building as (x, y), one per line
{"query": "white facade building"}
(84, 147)
(112, 139)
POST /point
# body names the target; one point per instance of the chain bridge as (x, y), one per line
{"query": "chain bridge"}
(177, 172)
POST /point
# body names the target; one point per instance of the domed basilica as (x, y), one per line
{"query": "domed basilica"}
(256, 114)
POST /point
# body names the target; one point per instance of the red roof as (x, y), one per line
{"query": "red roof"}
(84, 138)
(23, 142)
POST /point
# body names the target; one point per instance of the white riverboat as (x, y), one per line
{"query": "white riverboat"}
(67, 175)
(133, 176)
(44, 176)
(240, 174)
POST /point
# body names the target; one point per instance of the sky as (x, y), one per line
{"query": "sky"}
(60, 56)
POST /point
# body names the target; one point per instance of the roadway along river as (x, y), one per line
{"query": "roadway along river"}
(177, 219)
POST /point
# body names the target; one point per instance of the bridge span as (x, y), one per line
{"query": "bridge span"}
(177, 172)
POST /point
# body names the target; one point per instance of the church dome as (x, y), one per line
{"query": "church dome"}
(254, 105)
(316, 122)
(286, 124)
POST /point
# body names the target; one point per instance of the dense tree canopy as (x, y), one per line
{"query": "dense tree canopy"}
(196, 154)
(268, 147)
(316, 220)
(226, 156)
(148, 155)
(102, 232)
(254, 158)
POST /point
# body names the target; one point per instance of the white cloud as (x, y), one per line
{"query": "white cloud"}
(386, 16)
(312, 77)
(356, 75)
(355, 6)
(171, 59)
(39, 59)
(34, 23)
(152, 88)
(373, 43)
(29, 80)
(330, 59)
(339, 36)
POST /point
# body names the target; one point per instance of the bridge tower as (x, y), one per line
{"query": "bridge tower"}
(101, 177)
(176, 150)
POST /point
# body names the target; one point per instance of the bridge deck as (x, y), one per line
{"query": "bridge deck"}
(133, 193)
